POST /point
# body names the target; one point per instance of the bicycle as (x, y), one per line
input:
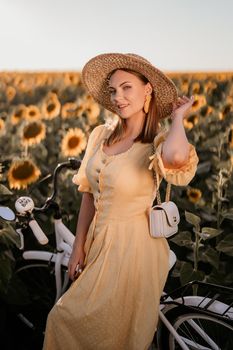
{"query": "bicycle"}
(186, 321)
(42, 274)
(204, 321)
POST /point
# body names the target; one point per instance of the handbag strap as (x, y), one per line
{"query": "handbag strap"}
(168, 189)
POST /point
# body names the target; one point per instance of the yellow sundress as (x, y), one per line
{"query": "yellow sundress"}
(113, 305)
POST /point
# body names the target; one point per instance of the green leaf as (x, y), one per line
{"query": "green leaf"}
(183, 239)
(192, 219)
(5, 272)
(209, 232)
(203, 235)
(220, 277)
(188, 274)
(228, 214)
(9, 236)
(4, 191)
(211, 256)
(226, 245)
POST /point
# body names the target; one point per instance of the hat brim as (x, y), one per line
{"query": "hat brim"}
(97, 69)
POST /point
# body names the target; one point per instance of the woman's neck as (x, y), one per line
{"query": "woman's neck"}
(134, 126)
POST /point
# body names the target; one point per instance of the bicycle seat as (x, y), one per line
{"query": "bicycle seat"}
(172, 259)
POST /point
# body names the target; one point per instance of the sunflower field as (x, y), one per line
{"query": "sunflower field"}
(47, 117)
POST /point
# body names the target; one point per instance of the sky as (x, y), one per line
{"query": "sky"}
(58, 35)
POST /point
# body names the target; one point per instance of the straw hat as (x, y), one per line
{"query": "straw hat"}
(95, 79)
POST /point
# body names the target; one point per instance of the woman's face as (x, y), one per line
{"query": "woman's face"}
(128, 93)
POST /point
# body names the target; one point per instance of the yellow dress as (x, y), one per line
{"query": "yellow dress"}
(113, 305)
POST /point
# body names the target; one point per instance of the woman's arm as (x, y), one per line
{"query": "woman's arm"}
(86, 214)
(175, 149)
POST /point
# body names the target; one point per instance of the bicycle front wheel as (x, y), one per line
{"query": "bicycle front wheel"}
(199, 331)
(33, 292)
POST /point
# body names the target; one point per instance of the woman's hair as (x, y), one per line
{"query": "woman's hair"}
(150, 125)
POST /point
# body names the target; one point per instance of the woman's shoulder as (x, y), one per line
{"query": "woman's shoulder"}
(101, 131)
(97, 131)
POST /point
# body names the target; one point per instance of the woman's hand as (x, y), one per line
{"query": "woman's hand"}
(76, 261)
(182, 107)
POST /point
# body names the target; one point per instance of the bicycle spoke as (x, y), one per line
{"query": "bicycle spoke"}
(202, 332)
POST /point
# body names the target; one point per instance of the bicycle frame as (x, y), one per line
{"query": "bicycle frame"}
(64, 243)
(200, 304)
(172, 330)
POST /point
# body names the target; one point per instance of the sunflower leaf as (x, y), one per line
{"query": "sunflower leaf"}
(5, 272)
(187, 273)
(211, 256)
(228, 214)
(210, 232)
(183, 239)
(4, 191)
(226, 245)
(192, 219)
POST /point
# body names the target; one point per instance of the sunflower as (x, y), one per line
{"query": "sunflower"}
(194, 194)
(32, 113)
(1, 170)
(49, 79)
(71, 79)
(229, 99)
(88, 98)
(40, 79)
(51, 106)
(209, 86)
(33, 133)
(92, 110)
(226, 109)
(231, 137)
(185, 86)
(74, 142)
(69, 110)
(230, 92)
(81, 106)
(18, 114)
(10, 93)
(206, 110)
(2, 127)
(190, 121)
(17, 79)
(232, 159)
(199, 101)
(22, 173)
(196, 87)
(20, 83)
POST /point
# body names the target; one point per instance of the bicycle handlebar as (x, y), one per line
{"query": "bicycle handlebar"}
(38, 233)
(72, 163)
(25, 205)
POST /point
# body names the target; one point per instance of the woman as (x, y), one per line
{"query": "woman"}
(113, 304)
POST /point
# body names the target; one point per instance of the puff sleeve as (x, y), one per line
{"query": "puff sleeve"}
(80, 178)
(177, 176)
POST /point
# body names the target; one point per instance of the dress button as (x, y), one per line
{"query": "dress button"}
(104, 161)
(97, 180)
(98, 170)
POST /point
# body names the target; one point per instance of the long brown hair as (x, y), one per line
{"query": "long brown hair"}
(151, 123)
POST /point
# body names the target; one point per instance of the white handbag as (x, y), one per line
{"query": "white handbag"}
(163, 217)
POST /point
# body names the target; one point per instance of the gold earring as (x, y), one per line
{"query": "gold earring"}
(147, 103)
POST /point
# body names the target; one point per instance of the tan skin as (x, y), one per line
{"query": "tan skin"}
(128, 90)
